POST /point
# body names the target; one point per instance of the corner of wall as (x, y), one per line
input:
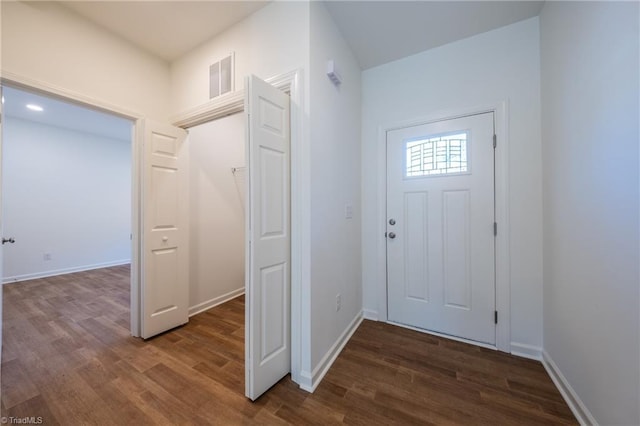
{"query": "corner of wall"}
(310, 380)
(524, 350)
(370, 314)
(578, 408)
(335, 265)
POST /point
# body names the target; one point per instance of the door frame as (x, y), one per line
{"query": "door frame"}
(20, 82)
(502, 261)
(232, 103)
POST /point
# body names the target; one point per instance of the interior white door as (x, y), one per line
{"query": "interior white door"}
(164, 280)
(268, 259)
(440, 227)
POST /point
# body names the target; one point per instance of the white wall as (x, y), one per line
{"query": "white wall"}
(277, 39)
(46, 42)
(590, 114)
(65, 193)
(498, 65)
(272, 41)
(335, 182)
(216, 212)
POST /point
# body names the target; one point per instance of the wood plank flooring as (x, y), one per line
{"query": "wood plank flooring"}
(68, 358)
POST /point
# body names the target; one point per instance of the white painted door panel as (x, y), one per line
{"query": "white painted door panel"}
(165, 273)
(268, 276)
(441, 274)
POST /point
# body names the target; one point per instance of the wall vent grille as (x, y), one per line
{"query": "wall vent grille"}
(221, 76)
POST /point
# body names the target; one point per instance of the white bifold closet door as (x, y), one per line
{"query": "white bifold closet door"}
(268, 230)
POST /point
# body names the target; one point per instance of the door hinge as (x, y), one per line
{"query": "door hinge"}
(495, 317)
(495, 141)
(495, 229)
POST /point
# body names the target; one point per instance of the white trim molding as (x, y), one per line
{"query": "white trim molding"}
(578, 408)
(503, 280)
(370, 314)
(211, 303)
(229, 103)
(526, 351)
(46, 89)
(503, 259)
(53, 273)
(311, 380)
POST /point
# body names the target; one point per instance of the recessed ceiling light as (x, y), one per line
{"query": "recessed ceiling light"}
(34, 107)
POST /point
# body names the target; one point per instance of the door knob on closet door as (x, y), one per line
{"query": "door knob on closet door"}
(8, 240)
(392, 235)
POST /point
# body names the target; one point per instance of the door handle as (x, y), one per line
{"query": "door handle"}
(392, 222)
(392, 235)
(8, 240)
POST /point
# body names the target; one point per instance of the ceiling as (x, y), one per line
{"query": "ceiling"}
(63, 114)
(167, 29)
(377, 31)
(383, 31)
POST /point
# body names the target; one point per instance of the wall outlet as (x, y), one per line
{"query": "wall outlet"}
(46, 256)
(338, 302)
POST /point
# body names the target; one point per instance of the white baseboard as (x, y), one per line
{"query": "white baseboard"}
(526, 351)
(53, 273)
(310, 381)
(583, 415)
(370, 314)
(208, 304)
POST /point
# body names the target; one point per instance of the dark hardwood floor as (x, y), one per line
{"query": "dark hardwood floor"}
(68, 358)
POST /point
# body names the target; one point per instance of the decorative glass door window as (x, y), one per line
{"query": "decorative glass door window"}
(437, 155)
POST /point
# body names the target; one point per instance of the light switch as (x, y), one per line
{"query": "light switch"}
(348, 211)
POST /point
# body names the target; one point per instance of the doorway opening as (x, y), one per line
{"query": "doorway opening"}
(66, 210)
(216, 212)
(66, 188)
(266, 225)
(444, 199)
(441, 245)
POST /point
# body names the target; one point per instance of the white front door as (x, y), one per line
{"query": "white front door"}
(440, 227)
(164, 280)
(268, 259)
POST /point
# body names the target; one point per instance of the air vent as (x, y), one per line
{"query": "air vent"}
(221, 76)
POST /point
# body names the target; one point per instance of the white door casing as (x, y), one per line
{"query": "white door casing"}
(1, 229)
(268, 253)
(441, 263)
(164, 210)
